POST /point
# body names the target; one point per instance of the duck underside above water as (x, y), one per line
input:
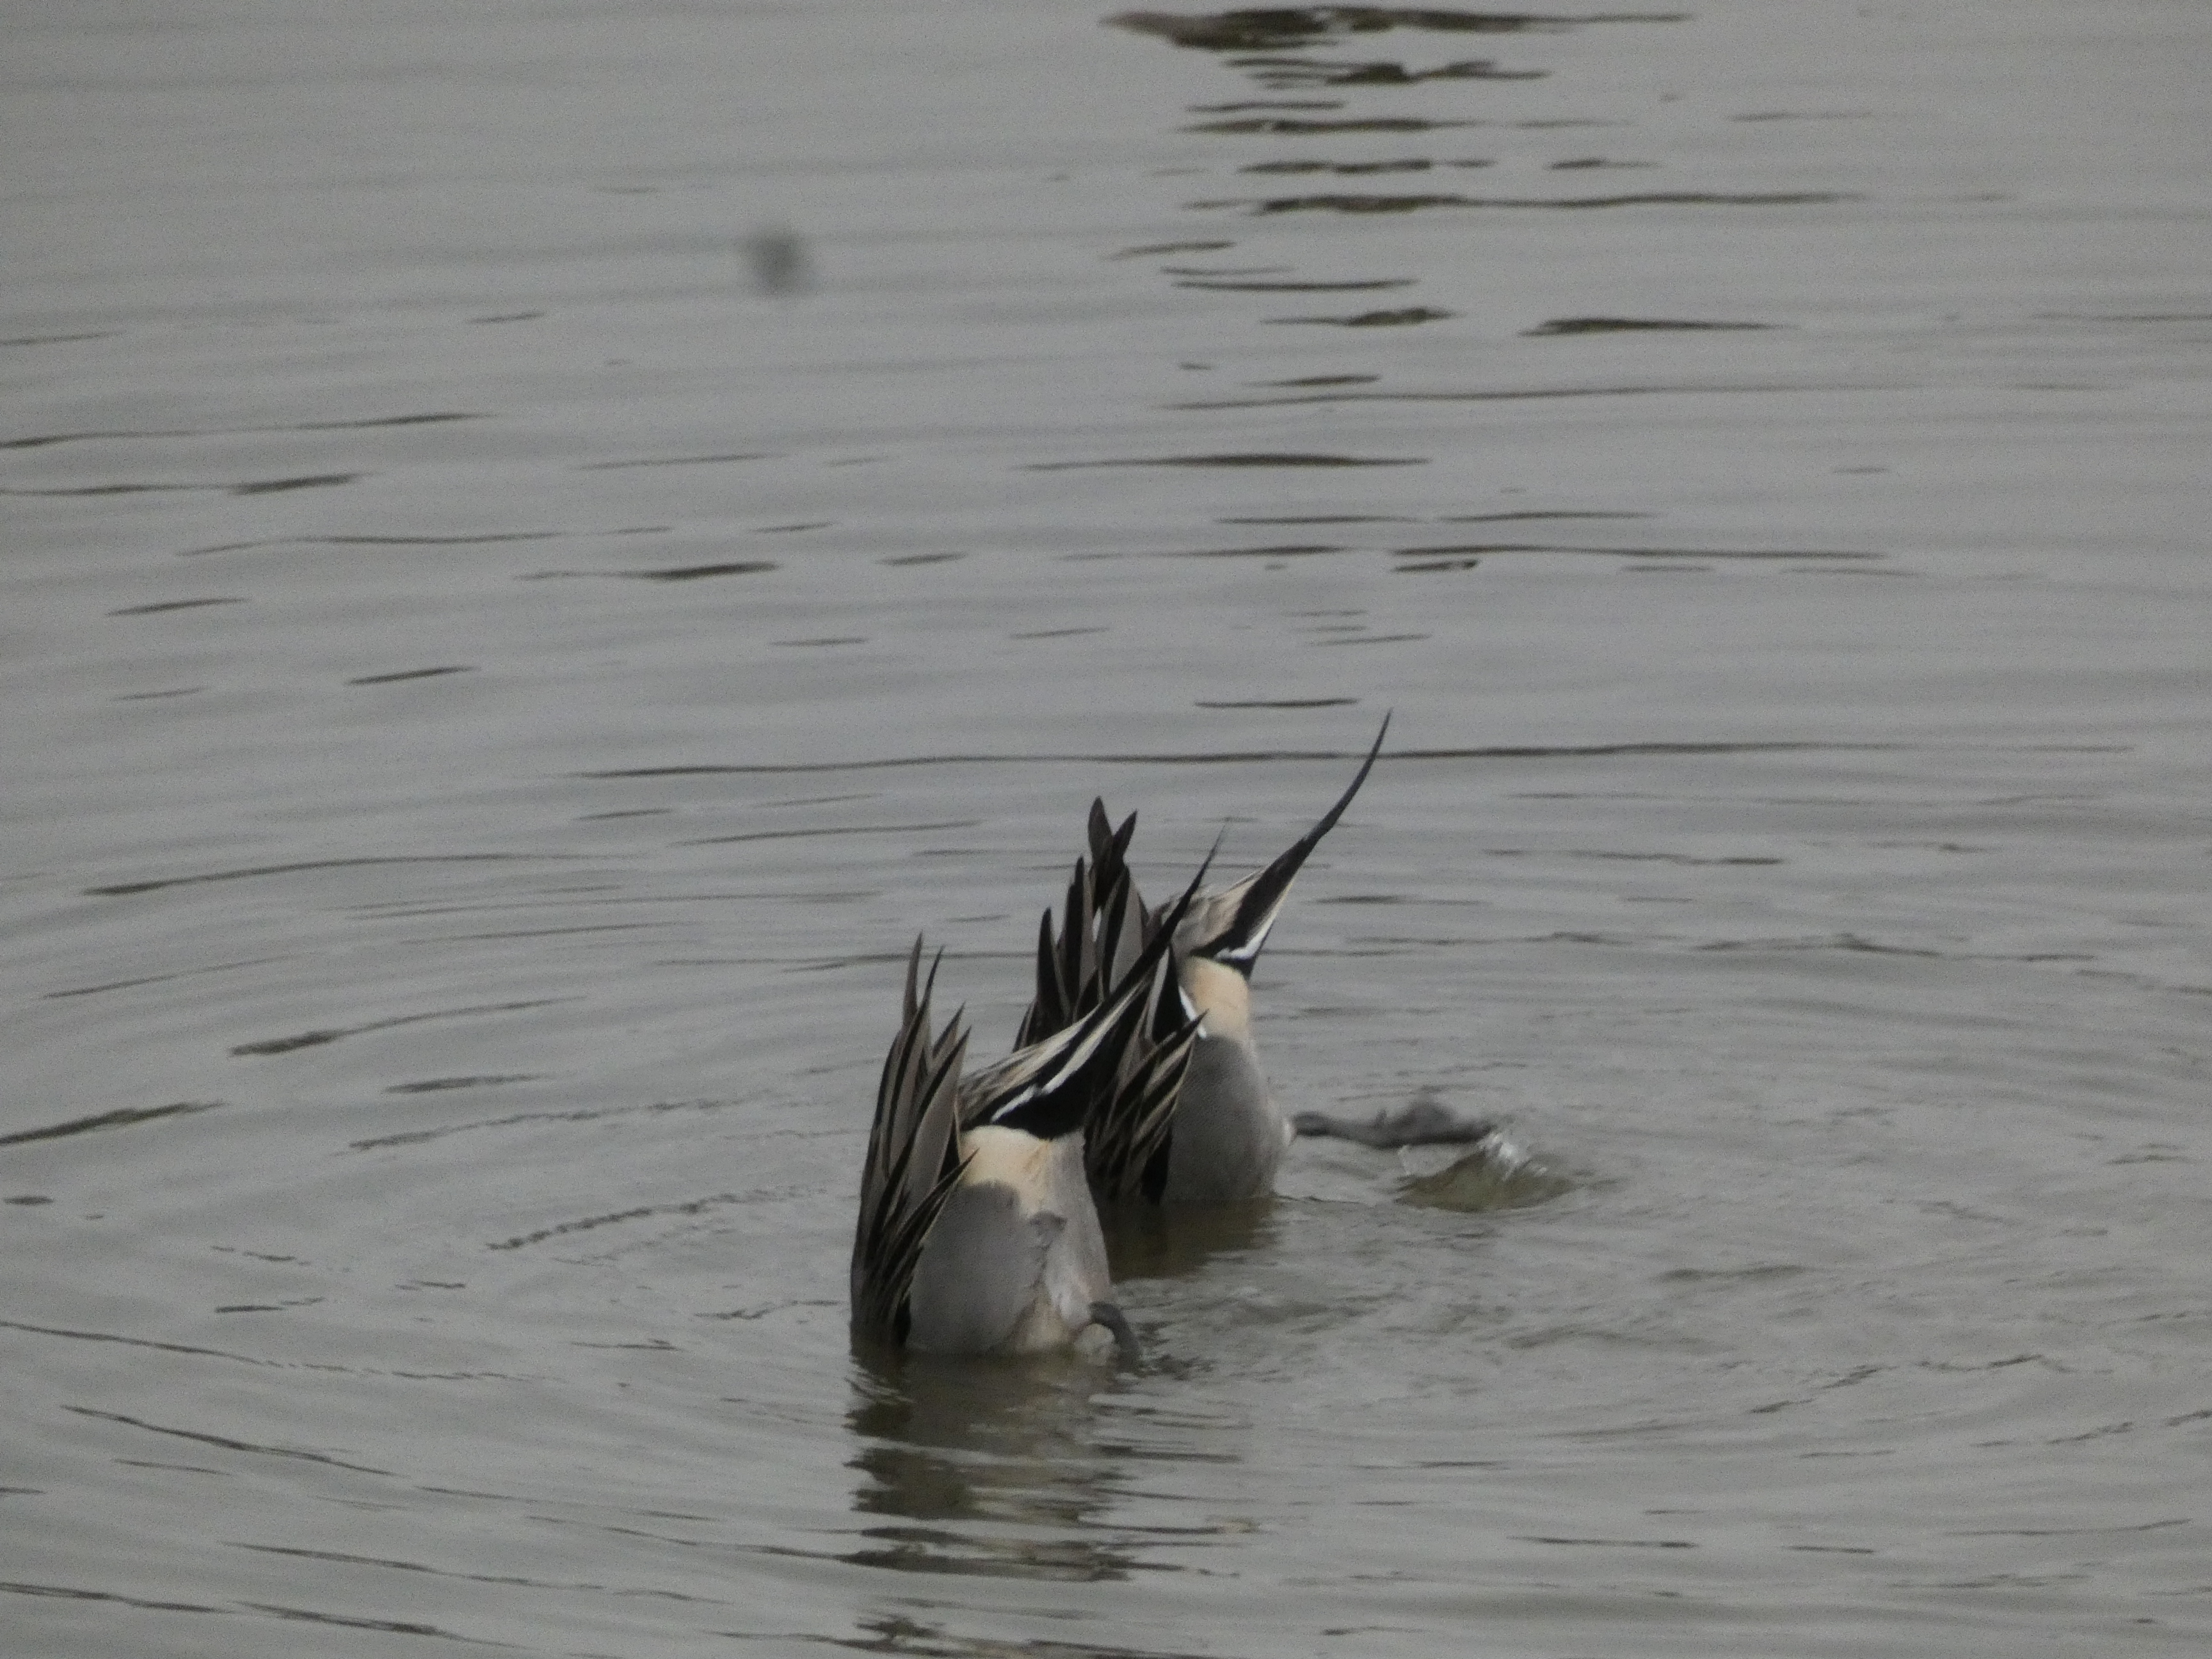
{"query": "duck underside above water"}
(977, 1232)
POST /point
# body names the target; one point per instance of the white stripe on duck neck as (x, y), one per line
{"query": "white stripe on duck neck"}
(1222, 997)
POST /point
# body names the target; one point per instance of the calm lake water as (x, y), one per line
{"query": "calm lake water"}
(545, 541)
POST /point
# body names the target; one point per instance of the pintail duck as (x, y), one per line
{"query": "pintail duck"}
(1223, 1136)
(977, 1232)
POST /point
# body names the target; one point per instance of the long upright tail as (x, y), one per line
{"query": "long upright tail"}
(913, 1162)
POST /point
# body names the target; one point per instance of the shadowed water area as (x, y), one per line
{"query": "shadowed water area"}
(544, 542)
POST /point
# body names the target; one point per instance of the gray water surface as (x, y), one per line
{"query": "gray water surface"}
(545, 542)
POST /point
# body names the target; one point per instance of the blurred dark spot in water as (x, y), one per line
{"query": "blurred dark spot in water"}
(778, 261)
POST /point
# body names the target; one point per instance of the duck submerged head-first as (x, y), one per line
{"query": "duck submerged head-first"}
(1223, 1136)
(977, 1232)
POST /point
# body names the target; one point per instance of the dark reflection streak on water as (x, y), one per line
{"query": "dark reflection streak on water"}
(1517, 517)
(405, 912)
(168, 1347)
(538, 932)
(2071, 1532)
(897, 1633)
(1153, 249)
(435, 1086)
(643, 1212)
(1634, 857)
(160, 606)
(251, 487)
(66, 1592)
(1294, 551)
(1348, 203)
(581, 1114)
(44, 439)
(2123, 317)
(117, 489)
(390, 1626)
(1270, 124)
(676, 460)
(1528, 393)
(1284, 72)
(399, 674)
(500, 536)
(486, 540)
(1259, 29)
(309, 481)
(1412, 165)
(1611, 1543)
(60, 339)
(1259, 459)
(1623, 324)
(400, 1565)
(1745, 554)
(1252, 757)
(1279, 702)
(682, 573)
(1806, 115)
(1233, 286)
(840, 829)
(121, 1116)
(229, 1444)
(1412, 315)
(127, 888)
(317, 1039)
(1266, 103)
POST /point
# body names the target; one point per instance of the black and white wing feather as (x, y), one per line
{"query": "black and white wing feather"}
(914, 1160)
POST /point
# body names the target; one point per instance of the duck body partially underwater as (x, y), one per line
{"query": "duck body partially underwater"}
(1136, 1078)
(1223, 1137)
(977, 1232)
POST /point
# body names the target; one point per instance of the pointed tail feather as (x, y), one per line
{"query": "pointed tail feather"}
(1237, 920)
(913, 1162)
